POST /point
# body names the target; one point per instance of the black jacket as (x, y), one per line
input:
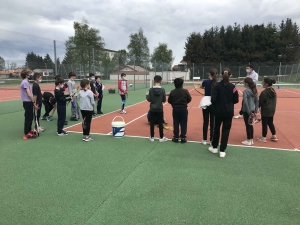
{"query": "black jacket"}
(223, 99)
(60, 97)
(267, 102)
(179, 98)
(156, 97)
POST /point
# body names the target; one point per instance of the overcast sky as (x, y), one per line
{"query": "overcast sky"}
(164, 21)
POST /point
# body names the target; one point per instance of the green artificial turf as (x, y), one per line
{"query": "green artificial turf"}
(63, 180)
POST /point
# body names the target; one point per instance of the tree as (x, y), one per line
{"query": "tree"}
(13, 65)
(81, 46)
(48, 62)
(138, 49)
(121, 58)
(107, 64)
(2, 63)
(162, 56)
(34, 61)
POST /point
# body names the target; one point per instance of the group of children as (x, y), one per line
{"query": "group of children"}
(218, 110)
(33, 98)
(251, 104)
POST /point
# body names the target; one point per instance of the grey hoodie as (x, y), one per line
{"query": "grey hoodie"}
(250, 102)
(86, 100)
(156, 96)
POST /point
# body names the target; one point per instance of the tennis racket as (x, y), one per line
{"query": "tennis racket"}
(36, 126)
(254, 118)
(199, 89)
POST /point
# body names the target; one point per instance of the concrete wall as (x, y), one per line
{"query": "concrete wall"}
(166, 75)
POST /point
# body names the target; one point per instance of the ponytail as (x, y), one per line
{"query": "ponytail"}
(226, 73)
(269, 81)
(213, 73)
(251, 85)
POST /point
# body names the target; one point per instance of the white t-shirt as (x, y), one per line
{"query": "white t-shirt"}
(254, 76)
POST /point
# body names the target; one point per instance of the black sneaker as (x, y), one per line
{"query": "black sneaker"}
(66, 122)
(44, 118)
(95, 114)
(99, 112)
(183, 140)
(175, 140)
(73, 119)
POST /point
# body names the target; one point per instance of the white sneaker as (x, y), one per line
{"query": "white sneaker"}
(238, 117)
(151, 139)
(213, 150)
(222, 154)
(123, 112)
(163, 139)
(252, 142)
(41, 129)
(246, 142)
(204, 142)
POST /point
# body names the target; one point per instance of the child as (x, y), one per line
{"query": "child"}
(179, 98)
(156, 121)
(62, 88)
(93, 89)
(50, 104)
(87, 102)
(123, 89)
(156, 96)
(249, 106)
(28, 104)
(61, 100)
(207, 112)
(100, 88)
(72, 88)
(267, 103)
(37, 96)
(223, 98)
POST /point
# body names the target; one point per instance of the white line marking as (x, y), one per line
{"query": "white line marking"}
(199, 142)
(137, 118)
(106, 114)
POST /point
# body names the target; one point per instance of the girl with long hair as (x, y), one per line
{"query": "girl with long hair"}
(223, 98)
(267, 104)
(249, 106)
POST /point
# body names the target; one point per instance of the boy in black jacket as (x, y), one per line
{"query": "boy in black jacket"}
(61, 100)
(156, 96)
(179, 98)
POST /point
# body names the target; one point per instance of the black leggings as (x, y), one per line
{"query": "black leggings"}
(87, 119)
(267, 121)
(208, 117)
(249, 128)
(159, 117)
(28, 107)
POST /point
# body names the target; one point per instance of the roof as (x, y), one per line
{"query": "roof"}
(13, 72)
(175, 67)
(108, 50)
(132, 67)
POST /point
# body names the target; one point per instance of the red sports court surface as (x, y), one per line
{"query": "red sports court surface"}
(286, 121)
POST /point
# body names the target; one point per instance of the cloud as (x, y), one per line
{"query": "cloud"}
(168, 21)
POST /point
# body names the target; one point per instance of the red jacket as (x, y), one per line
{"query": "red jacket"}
(122, 86)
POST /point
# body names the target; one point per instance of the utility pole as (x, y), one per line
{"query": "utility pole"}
(55, 69)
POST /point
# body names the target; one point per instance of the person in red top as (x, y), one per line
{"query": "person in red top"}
(123, 89)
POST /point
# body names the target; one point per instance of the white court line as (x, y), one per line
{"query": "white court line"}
(106, 114)
(137, 118)
(291, 91)
(198, 142)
